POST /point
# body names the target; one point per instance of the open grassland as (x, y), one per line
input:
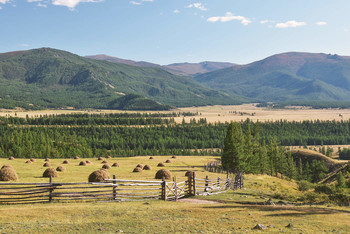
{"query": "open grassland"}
(231, 212)
(33, 172)
(219, 113)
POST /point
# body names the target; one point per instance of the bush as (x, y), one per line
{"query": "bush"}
(323, 188)
(304, 185)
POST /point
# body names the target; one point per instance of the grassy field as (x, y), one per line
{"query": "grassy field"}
(221, 113)
(230, 212)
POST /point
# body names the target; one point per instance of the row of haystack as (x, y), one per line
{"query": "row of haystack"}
(140, 168)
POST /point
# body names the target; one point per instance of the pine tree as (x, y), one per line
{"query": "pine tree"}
(233, 152)
(340, 181)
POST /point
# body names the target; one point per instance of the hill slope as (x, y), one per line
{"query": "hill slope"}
(53, 78)
(286, 77)
(183, 69)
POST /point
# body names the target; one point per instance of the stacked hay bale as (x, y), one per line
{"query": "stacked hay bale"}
(47, 164)
(104, 161)
(168, 161)
(189, 173)
(140, 166)
(7, 173)
(60, 168)
(88, 162)
(151, 157)
(115, 164)
(50, 172)
(65, 162)
(99, 176)
(82, 163)
(147, 167)
(11, 158)
(106, 166)
(137, 169)
(76, 157)
(161, 164)
(163, 173)
(28, 161)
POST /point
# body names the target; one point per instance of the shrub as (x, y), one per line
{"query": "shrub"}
(304, 185)
(323, 188)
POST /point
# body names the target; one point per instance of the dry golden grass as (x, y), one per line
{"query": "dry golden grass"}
(217, 113)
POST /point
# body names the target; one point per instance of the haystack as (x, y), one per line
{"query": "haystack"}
(32, 159)
(99, 176)
(50, 172)
(189, 173)
(8, 174)
(151, 157)
(109, 156)
(47, 160)
(61, 168)
(106, 166)
(76, 157)
(47, 164)
(140, 166)
(7, 165)
(147, 167)
(163, 173)
(100, 158)
(28, 161)
(173, 156)
(82, 163)
(137, 169)
(65, 162)
(104, 161)
(168, 161)
(11, 158)
(88, 162)
(115, 164)
(161, 164)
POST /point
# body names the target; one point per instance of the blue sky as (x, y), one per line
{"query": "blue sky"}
(169, 31)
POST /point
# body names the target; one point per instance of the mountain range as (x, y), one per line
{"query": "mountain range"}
(182, 69)
(51, 78)
(286, 77)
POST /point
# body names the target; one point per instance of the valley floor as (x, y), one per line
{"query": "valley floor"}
(220, 113)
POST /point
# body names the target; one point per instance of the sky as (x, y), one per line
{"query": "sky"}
(172, 31)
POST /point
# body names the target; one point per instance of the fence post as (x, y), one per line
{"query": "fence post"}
(194, 183)
(164, 189)
(206, 184)
(175, 187)
(189, 183)
(218, 183)
(51, 189)
(114, 187)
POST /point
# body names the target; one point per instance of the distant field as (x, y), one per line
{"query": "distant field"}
(75, 173)
(221, 113)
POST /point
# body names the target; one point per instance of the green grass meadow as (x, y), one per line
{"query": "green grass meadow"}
(233, 212)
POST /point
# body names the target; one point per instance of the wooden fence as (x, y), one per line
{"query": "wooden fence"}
(110, 190)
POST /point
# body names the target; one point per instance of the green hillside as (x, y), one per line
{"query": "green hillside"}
(286, 77)
(50, 78)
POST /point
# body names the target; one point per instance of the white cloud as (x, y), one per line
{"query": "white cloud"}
(266, 21)
(290, 24)
(24, 45)
(0, 7)
(71, 3)
(176, 11)
(140, 2)
(197, 5)
(321, 23)
(4, 1)
(229, 17)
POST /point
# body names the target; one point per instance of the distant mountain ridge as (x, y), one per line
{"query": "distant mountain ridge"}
(183, 69)
(51, 78)
(283, 77)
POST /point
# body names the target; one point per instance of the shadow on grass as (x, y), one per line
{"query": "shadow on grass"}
(283, 210)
